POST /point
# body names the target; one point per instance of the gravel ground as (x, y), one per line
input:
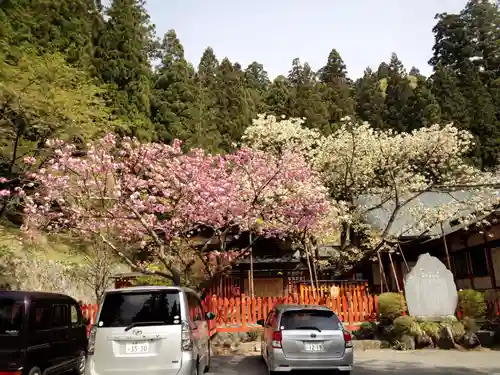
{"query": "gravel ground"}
(381, 362)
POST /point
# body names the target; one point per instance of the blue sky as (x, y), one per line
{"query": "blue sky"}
(274, 32)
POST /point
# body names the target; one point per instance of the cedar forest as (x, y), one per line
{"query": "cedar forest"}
(73, 70)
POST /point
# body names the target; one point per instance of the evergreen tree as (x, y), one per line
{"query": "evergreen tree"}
(452, 46)
(306, 99)
(483, 122)
(122, 62)
(446, 89)
(175, 108)
(383, 70)
(370, 104)
(206, 81)
(64, 26)
(466, 44)
(337, 90)
(398, 92)
(232, 112)
(279, 96)
(257, 84)
(207, 68)
(422, 108)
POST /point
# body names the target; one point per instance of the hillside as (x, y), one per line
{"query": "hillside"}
(53, 264)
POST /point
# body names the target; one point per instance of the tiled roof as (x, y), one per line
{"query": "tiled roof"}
(405, 222)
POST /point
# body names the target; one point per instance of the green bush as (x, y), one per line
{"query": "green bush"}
(458, 330)
(366, 331)
(390, 306)
(406, 325)
(431, 329)
(470, 324)
(471, 304)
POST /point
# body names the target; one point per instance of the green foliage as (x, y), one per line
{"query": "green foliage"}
(431, 329)
(470, 324)
(390, 306)
(471, 303)
(366, 331)
(175, 107)
(406, 325)
(122, 50)
(43, 97)
(457, 330)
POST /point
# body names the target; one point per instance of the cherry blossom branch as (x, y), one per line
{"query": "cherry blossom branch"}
(133, 265)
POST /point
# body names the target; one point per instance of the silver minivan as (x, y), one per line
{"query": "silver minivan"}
(150, 330)
(298, 337)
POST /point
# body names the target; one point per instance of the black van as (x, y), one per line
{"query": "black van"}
(41, 333)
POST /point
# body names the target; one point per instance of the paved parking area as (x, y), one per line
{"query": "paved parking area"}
(381, 362)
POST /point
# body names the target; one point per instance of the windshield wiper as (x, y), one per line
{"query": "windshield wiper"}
(139, 324)
(308, 327)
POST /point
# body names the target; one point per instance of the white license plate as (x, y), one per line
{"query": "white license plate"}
(313, 347)
(137, 348)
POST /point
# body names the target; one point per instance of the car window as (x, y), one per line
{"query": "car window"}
(41, 316)
(60, 316)
(123, 309)
(75, 316)
(310, 319)
(11, 316)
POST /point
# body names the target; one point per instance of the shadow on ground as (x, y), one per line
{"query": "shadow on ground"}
(252, 365)
(412, 368)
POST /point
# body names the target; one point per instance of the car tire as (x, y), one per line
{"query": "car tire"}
(81, 363)
(209, 362)
(35, 371)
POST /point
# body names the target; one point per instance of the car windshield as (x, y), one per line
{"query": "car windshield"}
(310, 319)
(123, 309)
(11, 316)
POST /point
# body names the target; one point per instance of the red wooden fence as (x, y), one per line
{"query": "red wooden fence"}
(241, 314)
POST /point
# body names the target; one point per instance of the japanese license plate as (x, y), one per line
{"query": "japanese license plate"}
(313, 347)
(137, 348)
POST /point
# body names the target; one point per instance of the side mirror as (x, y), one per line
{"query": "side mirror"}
(260, 322)
(210, 316)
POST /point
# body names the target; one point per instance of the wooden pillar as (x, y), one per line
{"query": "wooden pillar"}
(399, 270)
(470, 271)
(489, 259)
(285, 283)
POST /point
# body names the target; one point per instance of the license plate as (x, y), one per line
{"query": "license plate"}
(313, 347)
(137, 348)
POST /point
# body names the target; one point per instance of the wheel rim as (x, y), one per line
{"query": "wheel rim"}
(82, 363)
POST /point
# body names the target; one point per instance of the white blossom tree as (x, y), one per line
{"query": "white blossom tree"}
(383, 173)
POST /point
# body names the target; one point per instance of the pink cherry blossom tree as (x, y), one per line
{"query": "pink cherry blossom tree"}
(157, 199)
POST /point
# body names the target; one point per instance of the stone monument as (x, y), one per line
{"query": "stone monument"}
(430, 289)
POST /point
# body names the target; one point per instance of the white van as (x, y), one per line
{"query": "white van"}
(150, 330)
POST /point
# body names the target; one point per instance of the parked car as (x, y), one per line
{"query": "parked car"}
(41, 333)
(150, 330)
(299, 337)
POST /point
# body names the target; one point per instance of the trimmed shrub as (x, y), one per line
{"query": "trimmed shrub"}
(366, 331)
(431, 329)
(406, 325)
(458, 331)
(390, 306)
(470, 324)
(471, 304)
